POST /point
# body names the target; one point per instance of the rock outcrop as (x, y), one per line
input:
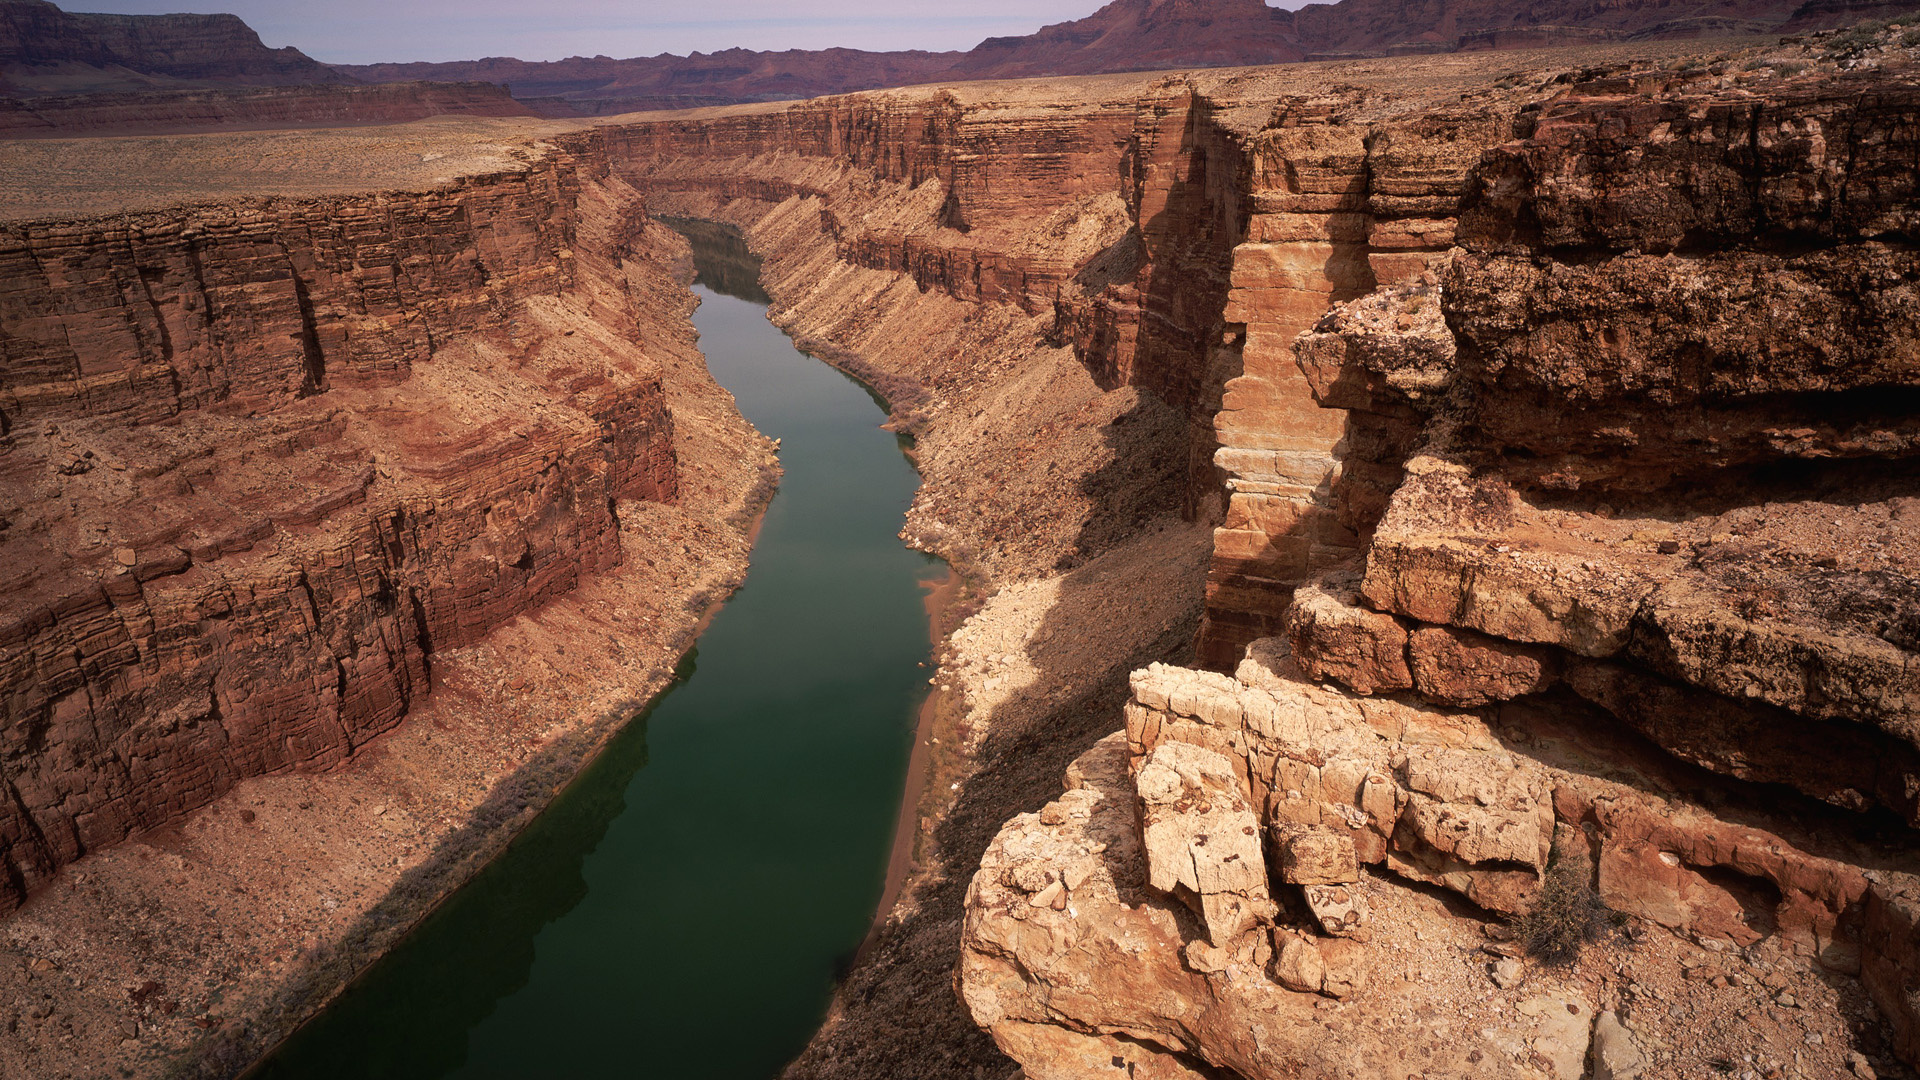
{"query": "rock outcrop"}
(261, 461)
(1122, 960)
(1586, 592)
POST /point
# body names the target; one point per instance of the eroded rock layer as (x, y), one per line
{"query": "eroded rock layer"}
(262, 461)
(1585, 588)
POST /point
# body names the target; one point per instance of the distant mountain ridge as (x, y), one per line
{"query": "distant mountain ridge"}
(46, 51)
(1132, 35)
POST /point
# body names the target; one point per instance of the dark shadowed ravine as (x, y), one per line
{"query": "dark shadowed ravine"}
(679, 911)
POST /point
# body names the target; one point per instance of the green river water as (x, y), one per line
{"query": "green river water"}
(680, 909)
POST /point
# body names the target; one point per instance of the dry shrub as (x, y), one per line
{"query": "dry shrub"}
(1567, 914)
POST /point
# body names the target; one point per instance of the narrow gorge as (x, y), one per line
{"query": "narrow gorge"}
(1402, 502)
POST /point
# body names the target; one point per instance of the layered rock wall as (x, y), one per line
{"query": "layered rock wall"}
(1589, 574)
(261, 461)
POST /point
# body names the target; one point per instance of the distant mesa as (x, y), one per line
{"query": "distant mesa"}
(71, 73)
(44, 50)
(1133, 35)
(65, 74)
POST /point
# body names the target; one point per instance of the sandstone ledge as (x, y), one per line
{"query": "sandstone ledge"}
(1071, 957)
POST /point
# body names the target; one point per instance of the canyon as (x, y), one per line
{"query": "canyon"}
(1405, 498)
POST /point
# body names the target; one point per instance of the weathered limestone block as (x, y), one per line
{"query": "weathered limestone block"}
(1748, 618)
(1315, 855)
(1120, 973)
(1478, 822)
(1202, 839)
(1429, 792)
(1688, 178)
(1391, 347)
(1681, 866)
(1297, 963)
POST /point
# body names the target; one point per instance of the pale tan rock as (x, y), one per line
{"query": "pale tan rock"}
(1297, 964)
(1340, 910)
(1202, 839)
(1562, 1027)
(1315, 855)
(1616, 1055)
(1346, 969)
(1508, 973)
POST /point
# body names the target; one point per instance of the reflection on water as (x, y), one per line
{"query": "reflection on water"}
(411, 1017)
(684, 920)
(721, 260)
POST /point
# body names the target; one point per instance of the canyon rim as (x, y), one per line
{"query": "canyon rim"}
(1436, 538)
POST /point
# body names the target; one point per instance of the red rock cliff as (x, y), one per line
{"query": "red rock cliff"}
(260, 461)
(1592, 567)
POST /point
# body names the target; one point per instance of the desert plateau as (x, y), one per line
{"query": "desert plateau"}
(1375, 541)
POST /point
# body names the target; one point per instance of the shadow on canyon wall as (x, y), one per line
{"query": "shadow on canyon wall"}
(410, 1014)
(898, 1012)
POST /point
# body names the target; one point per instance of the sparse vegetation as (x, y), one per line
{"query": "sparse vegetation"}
(1568, 913)
(1856, 39)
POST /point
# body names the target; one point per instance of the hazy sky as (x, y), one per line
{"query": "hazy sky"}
(364, 31)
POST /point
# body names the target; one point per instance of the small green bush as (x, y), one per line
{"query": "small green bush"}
(1567, 914)
(1856, 38)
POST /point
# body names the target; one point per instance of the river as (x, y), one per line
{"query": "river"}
(679, 911)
